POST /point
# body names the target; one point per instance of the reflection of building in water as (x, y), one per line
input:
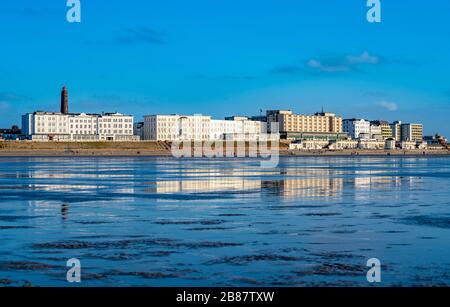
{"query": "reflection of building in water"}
(362, 184)
(323, 186)
(385, 182)
(293, 183)
(305, 187)
(197, 186)
(83, 182)
(287, 182)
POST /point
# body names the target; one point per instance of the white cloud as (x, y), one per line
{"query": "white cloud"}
(390, 106)
(343, 63)
(316, 64)
(364, 58)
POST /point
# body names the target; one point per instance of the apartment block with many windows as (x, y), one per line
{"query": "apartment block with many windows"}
(357, 128)
(386, 130)
(289, 122)
(52, 126)
(199, 128)
(412, 132)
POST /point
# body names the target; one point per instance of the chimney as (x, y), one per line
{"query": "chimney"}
(64, 101)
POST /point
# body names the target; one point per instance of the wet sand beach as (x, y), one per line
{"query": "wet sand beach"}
(153, 221)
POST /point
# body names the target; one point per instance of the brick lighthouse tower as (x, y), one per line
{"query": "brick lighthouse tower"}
(64, 100)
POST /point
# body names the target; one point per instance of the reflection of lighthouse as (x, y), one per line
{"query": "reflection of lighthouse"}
(64, 211)
(64, 101)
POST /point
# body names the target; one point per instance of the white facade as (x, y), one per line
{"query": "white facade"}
(47, 126)
(371, 144)
(343, 144)
(309, 145)
(408, 145)
(390, 144)
(355, 127)
(236, 128)
(199, 128)
(176, 127)
(376, 132)
(220, 128)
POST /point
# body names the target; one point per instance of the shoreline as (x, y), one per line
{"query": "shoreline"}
(167, 154)
(162, 149)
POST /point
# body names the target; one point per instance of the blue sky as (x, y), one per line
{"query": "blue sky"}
(225, 57)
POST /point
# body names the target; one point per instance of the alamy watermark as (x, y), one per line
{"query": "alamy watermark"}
(262, 146)
(74, 13)
(374, 13)
(374, 274)
(74, 273)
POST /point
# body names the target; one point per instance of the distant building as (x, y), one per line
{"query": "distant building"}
(371, 144)
(343, 144)
(259, 118)
(391, 144)
(412, 132)
(386, 130)
(396, 128)
(237, 118)
(436, 140)
(13, 133)
(176, 127)
(309, 145)
(357, 128)
(365, 136)
(408, 145)
(200, 128)
(138, 130)
(320, 126)
(50, 126)
(65, 126)
(430, 139)
(376, 132)
(236, 128)
(311, 136)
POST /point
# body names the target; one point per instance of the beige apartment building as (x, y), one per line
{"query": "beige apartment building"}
(317, 123)
(386, 129)
(412, 132)
(407, 132)
(396, 128)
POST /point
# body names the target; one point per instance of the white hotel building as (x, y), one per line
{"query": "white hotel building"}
(357, 128)
(52, 126)
(65, 126)
(200, 128)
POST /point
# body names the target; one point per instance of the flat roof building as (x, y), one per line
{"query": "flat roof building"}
(386, 130)
(52, 126)
(356, 128)
(65, 126)
(200, 128)
(412, 132)
(288, 122)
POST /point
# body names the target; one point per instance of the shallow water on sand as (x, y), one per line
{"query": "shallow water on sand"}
(224, 222)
